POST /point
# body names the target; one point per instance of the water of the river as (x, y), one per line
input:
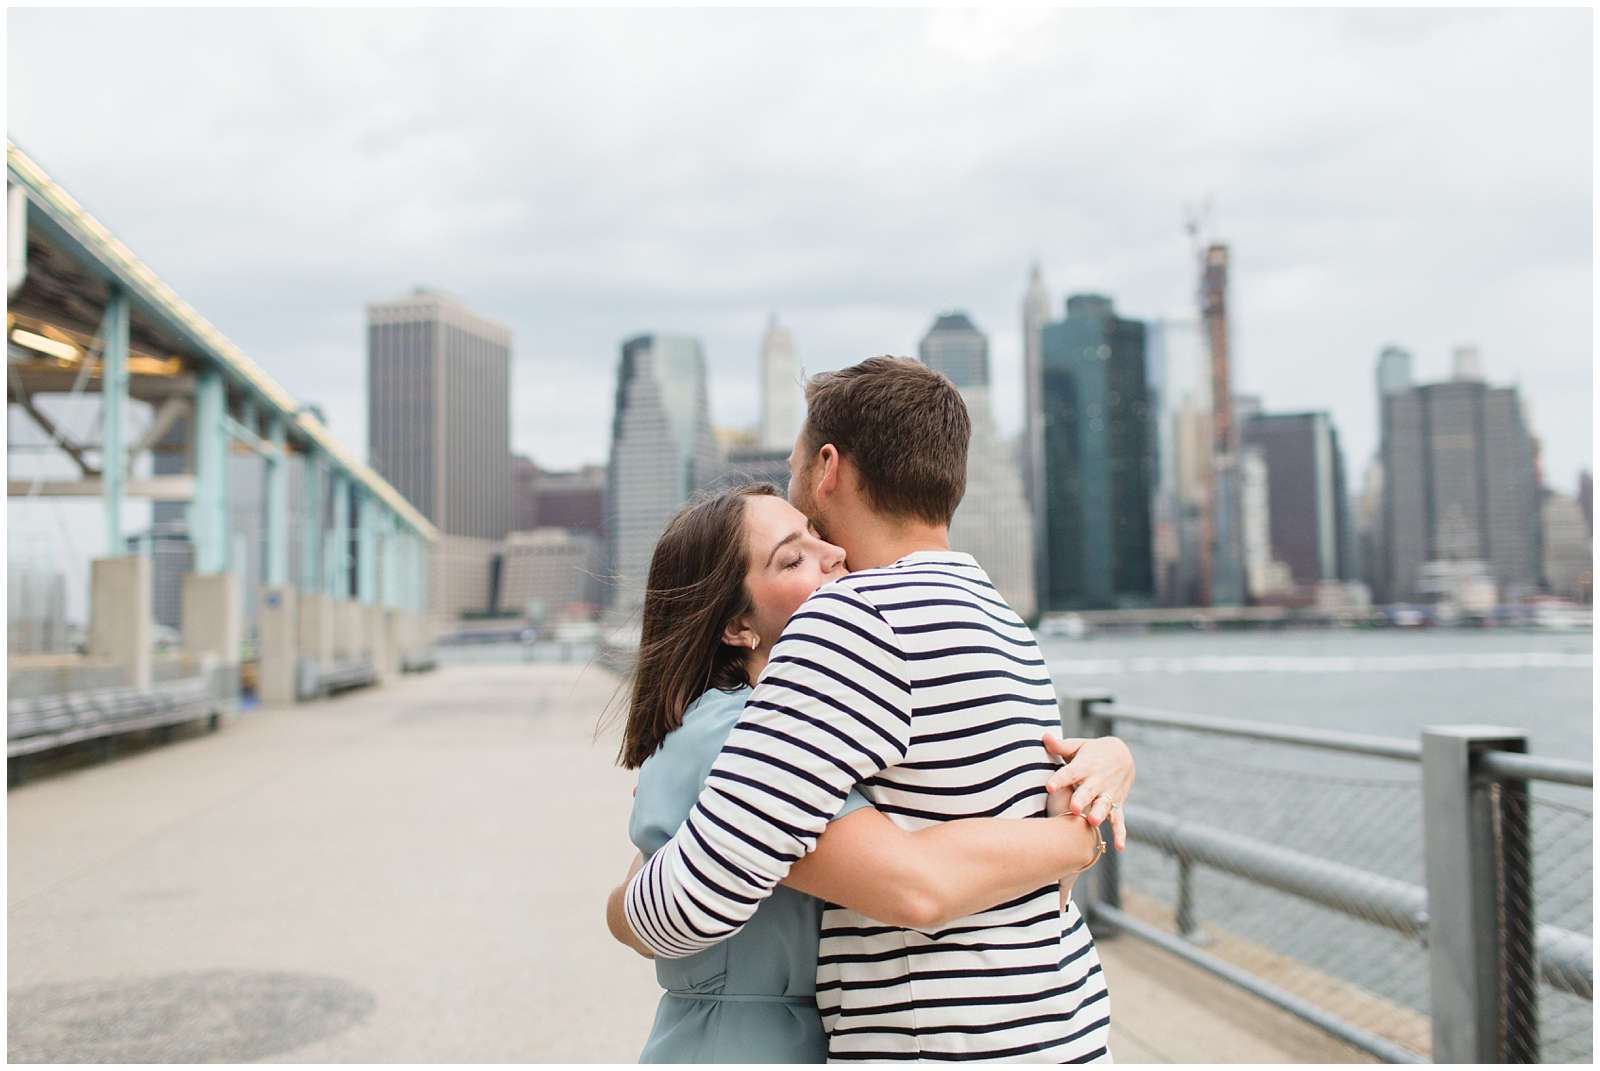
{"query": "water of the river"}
(1359, 811)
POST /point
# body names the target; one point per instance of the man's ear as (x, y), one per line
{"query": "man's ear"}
(738, 633)
(828, 472)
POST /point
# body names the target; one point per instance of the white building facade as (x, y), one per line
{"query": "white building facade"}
(780, 389)
(994, 523)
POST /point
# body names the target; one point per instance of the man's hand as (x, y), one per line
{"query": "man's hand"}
(1100, 772)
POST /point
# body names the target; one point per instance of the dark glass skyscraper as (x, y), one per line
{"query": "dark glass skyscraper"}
(1308, 517)
(1099, 461)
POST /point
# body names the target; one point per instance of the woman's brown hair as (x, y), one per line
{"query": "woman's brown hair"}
(696, 586)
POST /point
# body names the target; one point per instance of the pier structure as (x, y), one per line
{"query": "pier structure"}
(416, 874)
(338, 569)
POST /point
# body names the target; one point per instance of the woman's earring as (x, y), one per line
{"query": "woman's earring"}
(755, 641)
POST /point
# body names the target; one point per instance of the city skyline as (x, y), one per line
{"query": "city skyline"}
(1374, 201)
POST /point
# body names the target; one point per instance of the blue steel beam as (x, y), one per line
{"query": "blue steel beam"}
(114, 414)
(339, 550)
(208, 512)
(277, 505)
(366, 547)
(423, 593)
(389, 581)
(311, 542)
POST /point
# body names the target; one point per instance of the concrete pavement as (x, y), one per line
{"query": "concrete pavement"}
(412, 873)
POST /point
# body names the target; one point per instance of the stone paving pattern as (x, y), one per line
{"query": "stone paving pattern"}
(410, 873)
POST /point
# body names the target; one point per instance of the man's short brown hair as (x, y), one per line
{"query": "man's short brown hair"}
(904, 427)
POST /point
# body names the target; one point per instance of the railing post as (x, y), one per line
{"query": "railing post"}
(1103, 882)
(1480, 905)
(1187, 918)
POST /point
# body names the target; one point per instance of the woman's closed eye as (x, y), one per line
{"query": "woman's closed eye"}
(798, 558)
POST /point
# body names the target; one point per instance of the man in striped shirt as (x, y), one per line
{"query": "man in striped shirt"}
(913, 679)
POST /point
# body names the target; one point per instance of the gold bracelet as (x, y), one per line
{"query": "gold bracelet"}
(1099, 840)
(1099, 848)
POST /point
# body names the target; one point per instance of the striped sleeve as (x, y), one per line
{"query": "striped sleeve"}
(832, 708)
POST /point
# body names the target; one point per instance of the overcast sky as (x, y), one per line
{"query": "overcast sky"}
(1420, 178)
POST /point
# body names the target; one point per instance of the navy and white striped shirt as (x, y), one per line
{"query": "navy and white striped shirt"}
(920, 684)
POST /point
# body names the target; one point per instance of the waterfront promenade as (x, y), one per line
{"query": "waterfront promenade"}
(411, 873)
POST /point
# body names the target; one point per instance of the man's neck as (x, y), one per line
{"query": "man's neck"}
(874, 543)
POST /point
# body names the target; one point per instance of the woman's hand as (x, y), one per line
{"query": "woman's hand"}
(1100, 773)
(617, 915)
(1056, 807)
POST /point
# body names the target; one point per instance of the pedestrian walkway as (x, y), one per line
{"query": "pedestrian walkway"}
(412, 873)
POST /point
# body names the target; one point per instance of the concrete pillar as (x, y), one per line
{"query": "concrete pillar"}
(277, 648)
(315, 634)
(375, 632)
(417, 638)
(120, 625)
(212, 622)
(348, 640)
(394, 641)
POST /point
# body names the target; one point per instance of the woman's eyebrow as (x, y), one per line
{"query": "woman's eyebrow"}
(790, 538)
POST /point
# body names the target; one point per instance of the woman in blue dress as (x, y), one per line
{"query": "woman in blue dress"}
(725, 578)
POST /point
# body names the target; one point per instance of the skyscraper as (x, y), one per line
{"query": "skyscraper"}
(1265, 575)
(662, 452)
(1223, 567)
(780, 389)
(1035, 314)
(439, 411)
(993, 522)
(1394, 371)
(958, 349)
(1099, 466)
(1179, 377)
(1460, 485)
(1307, 513)
(1394, 377)
(1568, 549)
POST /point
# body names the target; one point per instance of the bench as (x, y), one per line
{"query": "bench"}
(44, 723)
(315, 679)
(420, 660)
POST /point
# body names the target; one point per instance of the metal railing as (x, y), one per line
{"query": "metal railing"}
(1474, 918)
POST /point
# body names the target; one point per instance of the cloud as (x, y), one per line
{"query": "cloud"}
(1420, 177)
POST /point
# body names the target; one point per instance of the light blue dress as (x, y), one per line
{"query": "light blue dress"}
(751, 998)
